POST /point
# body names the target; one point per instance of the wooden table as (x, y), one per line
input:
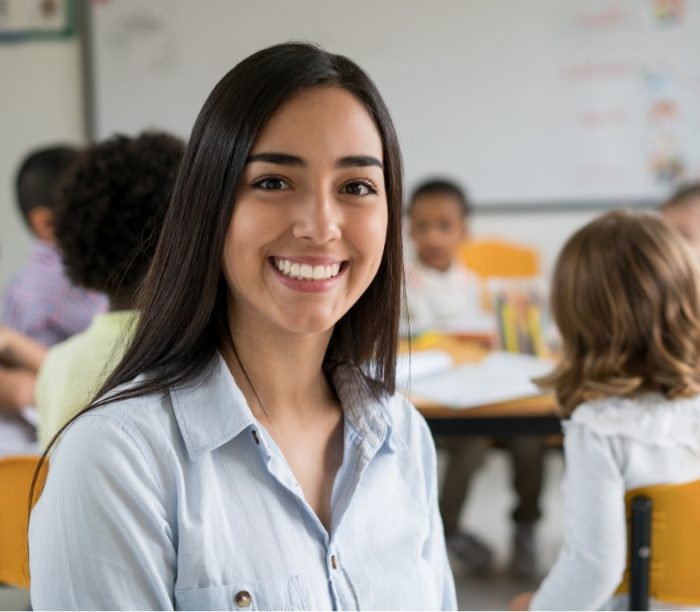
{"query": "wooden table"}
(527, 416)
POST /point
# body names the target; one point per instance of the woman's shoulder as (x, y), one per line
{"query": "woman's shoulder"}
(145, 422)
(131, 442)
(648, 418)
(408, 423)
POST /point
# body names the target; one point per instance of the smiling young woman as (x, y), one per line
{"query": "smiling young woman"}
(249, 451)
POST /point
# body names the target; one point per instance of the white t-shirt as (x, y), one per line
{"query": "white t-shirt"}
(442, 301)
(612, 446)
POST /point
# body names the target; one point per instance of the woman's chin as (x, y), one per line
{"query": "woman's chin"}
(307, 322)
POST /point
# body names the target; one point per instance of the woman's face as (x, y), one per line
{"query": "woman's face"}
(309, 223)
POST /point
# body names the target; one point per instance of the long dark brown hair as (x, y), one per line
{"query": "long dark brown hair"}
(183, 301)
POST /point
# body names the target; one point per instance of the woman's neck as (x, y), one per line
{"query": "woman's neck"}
(281, 374)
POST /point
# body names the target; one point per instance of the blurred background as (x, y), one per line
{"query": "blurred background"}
(547, 111)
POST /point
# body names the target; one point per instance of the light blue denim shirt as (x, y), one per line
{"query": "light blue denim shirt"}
(184, 501)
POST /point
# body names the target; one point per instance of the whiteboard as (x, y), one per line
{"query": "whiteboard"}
(528, 103)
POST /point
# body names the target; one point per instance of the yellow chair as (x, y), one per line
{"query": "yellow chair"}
(16, 474)
(488, 258)
(673, 548)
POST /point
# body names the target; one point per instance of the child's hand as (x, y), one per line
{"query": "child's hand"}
(521, 601)
(17, 350)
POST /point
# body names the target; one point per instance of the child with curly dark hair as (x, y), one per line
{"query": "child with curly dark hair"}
(626, 299)
(107, 225)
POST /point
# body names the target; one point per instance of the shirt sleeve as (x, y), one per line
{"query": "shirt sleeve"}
(473, 294)
(100, 537)
(434, 549)
(417, 314)
(592, 560)
(75, 310)
(27, 318)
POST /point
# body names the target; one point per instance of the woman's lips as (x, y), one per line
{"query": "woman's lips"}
(309, 274)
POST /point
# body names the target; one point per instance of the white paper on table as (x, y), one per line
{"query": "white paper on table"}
(498, 378)
(485, 324)
(419, 365)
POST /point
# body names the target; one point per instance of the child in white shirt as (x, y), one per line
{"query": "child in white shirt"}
(443, 295)
(626, 298)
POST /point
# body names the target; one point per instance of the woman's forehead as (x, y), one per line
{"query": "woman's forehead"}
(321, 120)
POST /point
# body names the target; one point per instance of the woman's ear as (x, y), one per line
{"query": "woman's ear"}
(41, 222)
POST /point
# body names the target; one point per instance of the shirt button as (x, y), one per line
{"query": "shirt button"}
(243, 599)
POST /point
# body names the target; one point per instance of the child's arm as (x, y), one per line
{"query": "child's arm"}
(16, 389)
(592, 559)
(18, 350)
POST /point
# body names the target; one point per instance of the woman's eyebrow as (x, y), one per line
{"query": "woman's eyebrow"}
(358, 161)
(285, 159)
(281, 159)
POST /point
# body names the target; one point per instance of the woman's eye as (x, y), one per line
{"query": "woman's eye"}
(271, 183)
(359, 188)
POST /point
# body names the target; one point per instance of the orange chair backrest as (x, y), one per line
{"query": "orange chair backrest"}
(16, 474)
(489, 258)
(675, 542)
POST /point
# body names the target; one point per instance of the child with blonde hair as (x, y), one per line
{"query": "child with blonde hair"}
(626, 299)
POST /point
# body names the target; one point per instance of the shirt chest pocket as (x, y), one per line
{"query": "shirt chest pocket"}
(273, 594)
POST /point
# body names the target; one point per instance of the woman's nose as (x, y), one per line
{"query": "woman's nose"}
(318, 219)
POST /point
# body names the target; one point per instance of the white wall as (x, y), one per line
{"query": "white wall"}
(41, 104)
(44, 105)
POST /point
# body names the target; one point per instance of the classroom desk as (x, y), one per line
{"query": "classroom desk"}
(526, 416)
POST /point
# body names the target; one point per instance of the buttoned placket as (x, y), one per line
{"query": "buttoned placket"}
(357, 453)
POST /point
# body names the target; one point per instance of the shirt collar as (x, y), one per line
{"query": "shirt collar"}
(46, 252)
(115, 319)
(372, 418)
(213, 411)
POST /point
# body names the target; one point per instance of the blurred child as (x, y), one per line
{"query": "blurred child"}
(40, 301)
(107, 226)
(682, 211)
(441, 293)
(445, 296)
(626, 298)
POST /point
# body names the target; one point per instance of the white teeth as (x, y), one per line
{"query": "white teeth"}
(306, 271)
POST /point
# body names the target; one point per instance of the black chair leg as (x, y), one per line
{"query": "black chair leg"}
(640, 553)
